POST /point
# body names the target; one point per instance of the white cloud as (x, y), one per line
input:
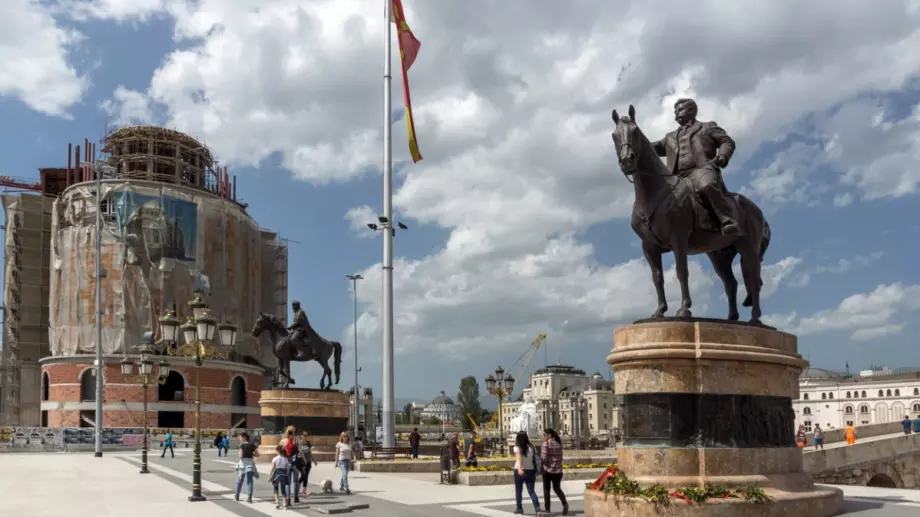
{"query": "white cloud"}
(844, 265)
(512, 112)
(33, 59)
(359, 217)
(772, 275)
(866, 316)
(128, 107)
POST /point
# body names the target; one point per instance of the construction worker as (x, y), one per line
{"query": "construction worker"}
(850, 434)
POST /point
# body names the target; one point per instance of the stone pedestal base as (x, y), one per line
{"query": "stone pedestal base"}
(710, 402)
(819, 502)
(322, 414)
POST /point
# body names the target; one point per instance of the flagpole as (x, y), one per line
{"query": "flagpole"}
(389, 424)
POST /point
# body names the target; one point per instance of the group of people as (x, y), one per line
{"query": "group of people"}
(290, 468)
(548, 464)
(801, 438)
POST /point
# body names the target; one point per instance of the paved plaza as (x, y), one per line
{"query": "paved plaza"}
(77, 485)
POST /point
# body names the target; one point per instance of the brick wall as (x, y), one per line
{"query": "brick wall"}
(64, 386)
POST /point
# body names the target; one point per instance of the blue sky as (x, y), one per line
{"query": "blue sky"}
(517, 215)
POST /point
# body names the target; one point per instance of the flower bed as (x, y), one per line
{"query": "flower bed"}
(434, 465)
(506, 476)
(614, 483)
(503, 468)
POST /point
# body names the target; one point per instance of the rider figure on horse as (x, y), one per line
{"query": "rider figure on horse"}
(299, 333)
(697, 151)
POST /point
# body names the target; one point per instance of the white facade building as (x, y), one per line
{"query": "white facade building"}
(442, 408)
(836, 399)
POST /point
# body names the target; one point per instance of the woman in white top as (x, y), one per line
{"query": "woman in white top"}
(343, 456)
(525, 472)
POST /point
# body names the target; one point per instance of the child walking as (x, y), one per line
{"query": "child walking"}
(280, 477)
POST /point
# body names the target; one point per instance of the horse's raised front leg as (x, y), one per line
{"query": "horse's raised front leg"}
(653, 257)
(722, 264)
(683, 275)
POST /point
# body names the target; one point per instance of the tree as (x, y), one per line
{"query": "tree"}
(468, 399)
(407, 413)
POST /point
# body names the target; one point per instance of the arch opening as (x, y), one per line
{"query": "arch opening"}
(87, 386)
(238, 391)
(882, 481)
(46, 386)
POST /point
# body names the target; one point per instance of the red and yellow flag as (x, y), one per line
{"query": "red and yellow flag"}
(408, 51)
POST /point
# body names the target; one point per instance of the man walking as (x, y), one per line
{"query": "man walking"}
(415, 440)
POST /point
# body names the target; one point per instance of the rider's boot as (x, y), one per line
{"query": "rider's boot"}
(723, 209)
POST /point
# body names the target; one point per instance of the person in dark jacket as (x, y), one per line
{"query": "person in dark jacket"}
(415, 440)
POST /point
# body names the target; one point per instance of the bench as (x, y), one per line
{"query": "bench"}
(391, 452)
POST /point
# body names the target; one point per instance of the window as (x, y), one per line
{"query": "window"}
(881, 393)
(849, 410)
(849, 395)
(806, 396)
(849, 422)
(855, 394)
(807, 425)
(863, 394)
(806, 411)
(888, 393)
(916, 391)
(824, 396)
(831, 396)
(897, 393)
(916, 408)
(864, 410)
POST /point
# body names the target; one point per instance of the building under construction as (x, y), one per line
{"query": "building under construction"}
(170, 218)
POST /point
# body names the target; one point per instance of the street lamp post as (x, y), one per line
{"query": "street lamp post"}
(354, 287)
(145, 378)
(500, 385)
(198, 332)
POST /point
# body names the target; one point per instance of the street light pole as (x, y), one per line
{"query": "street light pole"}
(100, 368)
(198, 331)
(500, 385)
(354, 286)
(145, 379)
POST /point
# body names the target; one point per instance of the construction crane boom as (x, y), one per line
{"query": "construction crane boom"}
(525, 360)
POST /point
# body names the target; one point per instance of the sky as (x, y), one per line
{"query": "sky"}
(518, 215)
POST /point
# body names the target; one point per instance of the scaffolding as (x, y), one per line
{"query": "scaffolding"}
(26, 279)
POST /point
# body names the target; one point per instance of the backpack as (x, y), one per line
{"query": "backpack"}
(537, 461)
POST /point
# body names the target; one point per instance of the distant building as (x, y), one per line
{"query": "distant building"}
(874, 396)
(569, 401)
(442, 408)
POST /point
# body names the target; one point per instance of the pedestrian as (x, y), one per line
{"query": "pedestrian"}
(306, 453)
(343, 457)
(280, 477)
(453, 448)
(358, 448)
(525, 472)
(292, 452)
(551, 454)
(800, 438)
(906, 424)
(246, 467)
(217, 443)
(917, 424)
(819, 437)
(469, 449)
(850, 434)
(168, 444)
(415, 441)
(225, 444)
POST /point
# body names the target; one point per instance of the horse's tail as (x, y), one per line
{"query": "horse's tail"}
(338, 359)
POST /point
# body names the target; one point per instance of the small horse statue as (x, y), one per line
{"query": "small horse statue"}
(666, 216)
(285, 351)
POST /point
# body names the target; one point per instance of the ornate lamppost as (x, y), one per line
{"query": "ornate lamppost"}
(198, 332)
(145, 378)
(500, 385)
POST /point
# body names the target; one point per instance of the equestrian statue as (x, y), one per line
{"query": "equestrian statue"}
(299, 343)
(684, 207)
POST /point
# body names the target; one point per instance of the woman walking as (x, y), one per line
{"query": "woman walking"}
(551, 454)
(280, 478)
(525, 472)
(246, 467)
(292, 452)
(343, 456)
(306, 454)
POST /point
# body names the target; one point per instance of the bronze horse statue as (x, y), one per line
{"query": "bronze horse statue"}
(285, 351)
(668, 215)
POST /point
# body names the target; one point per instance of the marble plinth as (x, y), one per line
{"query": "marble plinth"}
(323, 414)
(710, 402)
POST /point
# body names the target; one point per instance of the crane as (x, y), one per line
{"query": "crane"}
(525, 359)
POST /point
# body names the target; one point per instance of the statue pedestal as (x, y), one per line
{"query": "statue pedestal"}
(710, 402)
(322, 414)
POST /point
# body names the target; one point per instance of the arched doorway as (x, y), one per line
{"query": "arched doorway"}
(882, 481)
(173, 390)
(238, 398)
(46, 388)
(87, 394)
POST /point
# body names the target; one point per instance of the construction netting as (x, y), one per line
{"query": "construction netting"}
(158, 242)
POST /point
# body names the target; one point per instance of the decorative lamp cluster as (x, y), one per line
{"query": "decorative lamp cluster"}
(145, 365)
